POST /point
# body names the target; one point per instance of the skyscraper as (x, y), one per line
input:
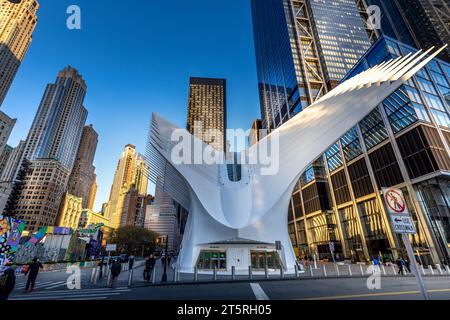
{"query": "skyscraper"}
(83, 178)
(303, 49)
(51, 148)
(17, 22)
(419, 23)
(130, 176)
(6, 127)
(206, 117)
(58, 125)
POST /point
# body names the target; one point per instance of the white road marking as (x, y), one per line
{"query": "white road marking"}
(71, 294)
(56, 285)
(258, 292)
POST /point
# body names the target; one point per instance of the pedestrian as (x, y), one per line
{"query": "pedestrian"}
(7, 283)
(116, 268)
(131, 262)
(169, 258)
(375, 262)
(33, 271)
(148, 267)
(102, 263)
(407, 265)
(399, 263)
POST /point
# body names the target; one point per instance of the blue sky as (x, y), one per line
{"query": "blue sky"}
(137, 57)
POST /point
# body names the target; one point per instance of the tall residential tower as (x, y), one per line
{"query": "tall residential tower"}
(17, 22)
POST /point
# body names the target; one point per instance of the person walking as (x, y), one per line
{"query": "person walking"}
(148, 267)
(399, 263)
(407, 265)
(33, 271)
(116, 268)
(7, 283)
(131, 262)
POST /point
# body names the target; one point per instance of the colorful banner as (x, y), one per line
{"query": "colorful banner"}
(10, 233)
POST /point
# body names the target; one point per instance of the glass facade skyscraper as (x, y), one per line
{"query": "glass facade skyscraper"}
(404, 143)
(419, 23)
(303, 49)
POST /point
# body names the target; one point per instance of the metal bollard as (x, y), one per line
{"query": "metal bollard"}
(311, 271)
(361, 269)
(109, 279)
(97, 274)
(393, 270)
(325, 271)
(350, 270)
(383, 269)
(233, 273)
(195, 274)
(130, 278)
(337, 270)
(431, 270)
(215, 273)
(296, 271)
(281, 272)
(94, 271)
(266, 272)
(438, 266)
(250, 273)
(448, 269)
(154, 275)
(423, 269)
(175, 273)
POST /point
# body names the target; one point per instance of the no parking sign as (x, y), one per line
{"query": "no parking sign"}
(398, 211)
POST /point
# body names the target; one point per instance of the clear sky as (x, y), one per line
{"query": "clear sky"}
(136, 57)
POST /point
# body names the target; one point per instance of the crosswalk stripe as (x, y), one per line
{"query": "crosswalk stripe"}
(56, 285)
(259, 292)
(59, 297)
(69, 292)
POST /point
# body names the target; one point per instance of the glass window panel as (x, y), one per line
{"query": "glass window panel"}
(421, 112)
(433, 101)
(426, 85)
(373, 129)
(440, 79)
(441, 118)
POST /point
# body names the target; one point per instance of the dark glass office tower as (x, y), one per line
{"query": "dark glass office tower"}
(420, 23)
(303, 49)
(206, 117)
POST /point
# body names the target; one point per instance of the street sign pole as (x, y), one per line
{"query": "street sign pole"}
(414, 266)
(403, 224)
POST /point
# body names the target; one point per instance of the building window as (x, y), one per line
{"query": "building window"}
(351, 145)
(400, 111)
(386, 169)
(373, 129)
(360, 179)
(334, 158)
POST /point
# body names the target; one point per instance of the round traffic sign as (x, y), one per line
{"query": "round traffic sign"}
(395, 201)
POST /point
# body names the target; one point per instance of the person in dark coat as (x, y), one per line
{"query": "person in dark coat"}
(131, 262)
(33, 272)
(7, 283)
(399, 263)
(148, 267)
(407, 265)
(116, 268)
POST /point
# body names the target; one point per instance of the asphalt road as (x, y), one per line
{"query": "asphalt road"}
(53, 286)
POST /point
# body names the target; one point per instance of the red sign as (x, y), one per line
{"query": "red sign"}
(395, 201)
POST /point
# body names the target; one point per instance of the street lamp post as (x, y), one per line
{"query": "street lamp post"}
(164, 276)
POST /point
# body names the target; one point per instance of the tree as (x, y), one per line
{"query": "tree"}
(133, 240)
(19, 183)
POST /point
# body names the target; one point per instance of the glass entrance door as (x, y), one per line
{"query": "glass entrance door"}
(261, 258)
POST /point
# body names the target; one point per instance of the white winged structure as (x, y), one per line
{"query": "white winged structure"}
(251, 213)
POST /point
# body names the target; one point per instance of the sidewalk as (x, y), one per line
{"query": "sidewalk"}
(323, 271)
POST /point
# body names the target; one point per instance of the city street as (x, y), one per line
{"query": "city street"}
(52, 286)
